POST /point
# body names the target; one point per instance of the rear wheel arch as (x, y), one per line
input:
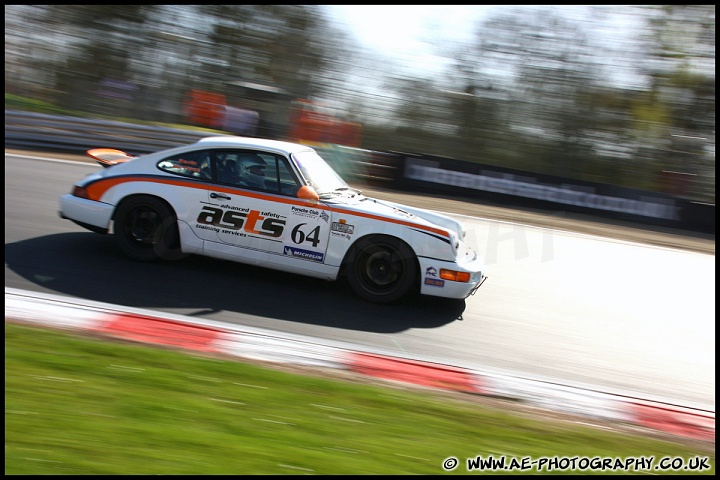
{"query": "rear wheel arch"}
(145, 228)
(144, 195)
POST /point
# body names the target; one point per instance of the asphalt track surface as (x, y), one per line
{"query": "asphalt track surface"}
(622, 231)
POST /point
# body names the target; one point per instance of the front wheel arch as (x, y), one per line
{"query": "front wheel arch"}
(381, 268)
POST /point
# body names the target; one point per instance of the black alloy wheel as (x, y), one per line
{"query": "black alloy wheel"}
(381, 269)
(145, 229)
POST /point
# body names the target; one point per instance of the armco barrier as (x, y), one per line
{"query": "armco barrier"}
(214, 337)
(29, 130)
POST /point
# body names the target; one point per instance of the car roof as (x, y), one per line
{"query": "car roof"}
(251, 142)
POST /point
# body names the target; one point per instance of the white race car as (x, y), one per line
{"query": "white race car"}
(277, 205)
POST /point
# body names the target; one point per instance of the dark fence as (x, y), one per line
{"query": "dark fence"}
(526, 189)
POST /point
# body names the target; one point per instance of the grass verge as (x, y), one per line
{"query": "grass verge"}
(76, 404)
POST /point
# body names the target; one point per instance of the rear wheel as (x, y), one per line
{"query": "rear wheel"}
(145, 229)
(381, 269)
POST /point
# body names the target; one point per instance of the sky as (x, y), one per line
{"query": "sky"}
(410, 34)
(401, 28)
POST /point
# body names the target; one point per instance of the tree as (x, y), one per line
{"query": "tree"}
(103, 38)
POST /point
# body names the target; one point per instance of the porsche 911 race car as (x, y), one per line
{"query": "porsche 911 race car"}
(273, 204)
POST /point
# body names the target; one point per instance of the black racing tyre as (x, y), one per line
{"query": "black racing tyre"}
(146, 230)
(381, 269)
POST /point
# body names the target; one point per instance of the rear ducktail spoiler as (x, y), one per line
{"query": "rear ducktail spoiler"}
(107, 157)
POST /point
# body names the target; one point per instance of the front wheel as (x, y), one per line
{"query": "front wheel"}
(381, 269)
(145, 229)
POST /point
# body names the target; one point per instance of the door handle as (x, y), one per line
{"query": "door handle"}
(218, 195)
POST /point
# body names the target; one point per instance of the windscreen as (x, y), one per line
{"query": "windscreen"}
(317, 172)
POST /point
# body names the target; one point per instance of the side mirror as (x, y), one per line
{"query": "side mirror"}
(307, 192)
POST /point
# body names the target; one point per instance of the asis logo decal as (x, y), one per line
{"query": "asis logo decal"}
(268, 224)
(431, 272)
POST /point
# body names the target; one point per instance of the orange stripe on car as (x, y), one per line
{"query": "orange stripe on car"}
(97, 189)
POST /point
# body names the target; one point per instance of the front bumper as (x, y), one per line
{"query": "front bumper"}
(432, 284)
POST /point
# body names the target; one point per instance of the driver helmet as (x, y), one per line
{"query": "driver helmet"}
(252, 169)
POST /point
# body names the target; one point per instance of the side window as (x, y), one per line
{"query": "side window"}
(255, 170)
(190, 164)
(278, 176)
(227, 168)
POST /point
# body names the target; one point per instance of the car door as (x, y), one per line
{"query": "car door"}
(267, 219)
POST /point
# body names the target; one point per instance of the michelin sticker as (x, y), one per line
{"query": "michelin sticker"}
(304, 254)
